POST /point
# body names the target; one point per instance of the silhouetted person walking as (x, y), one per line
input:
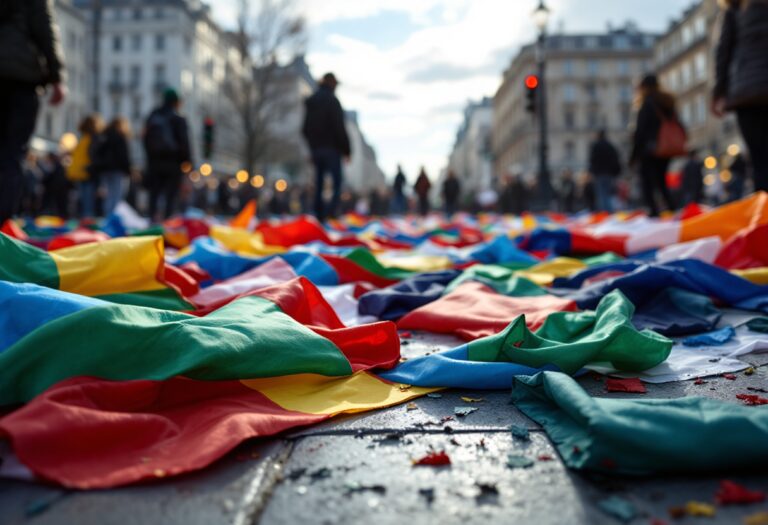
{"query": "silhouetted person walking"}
(656, 106)
(422, 188)
(605, 166)
(326, 134)
(166, 142)
(30, 57)
(399, 204)
(741, 71)
(451, 193)
(116, 161)
(693, 180)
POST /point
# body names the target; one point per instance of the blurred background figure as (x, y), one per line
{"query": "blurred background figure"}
(605, 167)
(80, 165)
(55, 200)
(655, 105)
(741, 78)
(738, 180)
(115, 161)
(586, 190)
(399, 202)
(451, 193)
(29, 201)
(422, 188)
(693, 179)
(513, 195)
(328, 141)
(567, 193)
(30, 57)
(166, 143)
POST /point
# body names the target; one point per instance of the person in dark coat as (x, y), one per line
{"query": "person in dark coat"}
(693, 179)
(115, 161)
(514, 196)
(738, 169)
(55, 186)
(399, 204)
(655, 104)
(30, 57)
(166, 142)
(567, 193)
(741, 77)
(422, 188)
(451, 192)
(605, 166)
(326, 133)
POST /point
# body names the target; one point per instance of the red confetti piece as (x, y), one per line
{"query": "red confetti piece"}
(752, 399)
(405, 335)
(699, 381)
(632, 386)
(730, 377)
(545, 457)
(517, 344)
(731, 493)
(434, 459)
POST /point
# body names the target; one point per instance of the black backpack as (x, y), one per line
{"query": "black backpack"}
(160, 139)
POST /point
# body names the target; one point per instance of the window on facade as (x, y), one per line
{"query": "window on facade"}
(686, 116)
(160, 73)
(700, 26)
(593, 66)
(625, 93)
(116, 106)
(570, 150)
(569, 118)
(701, 109)
(621, 42)
(591, 91)
(136, 42)
(568, 67)
(569, 92)
(117, 74)
(687, 35)
(135, 75)
(137, 13)
(593, 119)
(624, 68)
(700, 65)
(136, 108)
(159, 42)
(625, 112)
(117, 43)
(685, 79)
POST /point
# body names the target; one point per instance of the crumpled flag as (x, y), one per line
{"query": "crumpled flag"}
(643, 436)
(283, 329)
(731, 493)
(676, 312)
(474, 310)
(395, 301)
(502, 280)
(759, 324)
(716, 338)
(566, 341)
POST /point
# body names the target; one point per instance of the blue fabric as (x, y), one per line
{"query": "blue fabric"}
(555, 241)
(454, 369)
(646, 280)
(222, 264)
(113, 226)
(716, 338)
(501, 250)
(395, 301)
(676, 312)
(25, 307)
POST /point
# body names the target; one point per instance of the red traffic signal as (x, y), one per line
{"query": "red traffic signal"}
(531, 81)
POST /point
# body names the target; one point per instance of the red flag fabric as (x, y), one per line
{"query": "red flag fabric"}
(474, 310)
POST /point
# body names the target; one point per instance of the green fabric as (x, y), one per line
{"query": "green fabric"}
(572, 340)
(249, 338)
(603, 258)
(759, 324)
(368, 261)
(23, 263)
(644, 436)
(501, 279)
(517, 265)
(165, 299)
(149, 232)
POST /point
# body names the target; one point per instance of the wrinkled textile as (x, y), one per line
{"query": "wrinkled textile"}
(395, 301)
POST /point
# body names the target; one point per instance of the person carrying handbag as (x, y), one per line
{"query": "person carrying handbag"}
(659, 137)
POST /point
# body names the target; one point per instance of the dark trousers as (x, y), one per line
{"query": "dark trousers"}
(18, 111)
(327, 161)
(423, 205)
(754, 127)
(653, 175)
(164, 181)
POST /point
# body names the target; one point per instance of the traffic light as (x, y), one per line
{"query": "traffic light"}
(531, 90)
(208, 130)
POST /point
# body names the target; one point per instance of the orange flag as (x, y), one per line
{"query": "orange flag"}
(243, 219)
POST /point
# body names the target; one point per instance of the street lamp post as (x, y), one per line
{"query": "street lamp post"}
(541, 19)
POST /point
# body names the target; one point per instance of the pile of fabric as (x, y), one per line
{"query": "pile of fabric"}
(130, 352)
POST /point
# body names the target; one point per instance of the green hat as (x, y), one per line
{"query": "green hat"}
(170, 96)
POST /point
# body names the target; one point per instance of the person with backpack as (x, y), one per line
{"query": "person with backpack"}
(605, 166)
(741, 78)
(30, 58)
(82, 171)
(166, 143)
(326, 134)
(114, 161)
(657, 139)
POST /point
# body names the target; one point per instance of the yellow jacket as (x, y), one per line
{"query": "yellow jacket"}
(80, 160)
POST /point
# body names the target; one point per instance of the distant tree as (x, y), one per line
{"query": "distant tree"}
(269, 34)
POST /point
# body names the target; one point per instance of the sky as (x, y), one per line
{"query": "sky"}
(409, 67)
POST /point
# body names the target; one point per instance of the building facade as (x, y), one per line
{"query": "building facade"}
(684, 58)
(471, 158)
(362, 174)
(54, 122)
(590, 82)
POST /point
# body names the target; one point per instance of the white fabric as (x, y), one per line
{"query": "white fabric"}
(342, 299)
(652, 236)
(129, 217)
(274, 271)
(705, 249)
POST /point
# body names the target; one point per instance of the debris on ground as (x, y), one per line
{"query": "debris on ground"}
(699, 508)
(352, 487)
(472, 399)
(434, 395)
(729, 377)
(520, 432)
(464, 411)
(517, 461)
(760, 518)
(631, 385)
(411, 406)
(752, 399)
(433, 459)
(488, 494)
(428, 494)
(619, 508)
(731, 493)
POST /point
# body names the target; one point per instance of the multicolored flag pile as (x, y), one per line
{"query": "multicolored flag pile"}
(128, 355)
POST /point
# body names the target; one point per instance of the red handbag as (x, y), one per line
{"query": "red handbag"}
(672, 140)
